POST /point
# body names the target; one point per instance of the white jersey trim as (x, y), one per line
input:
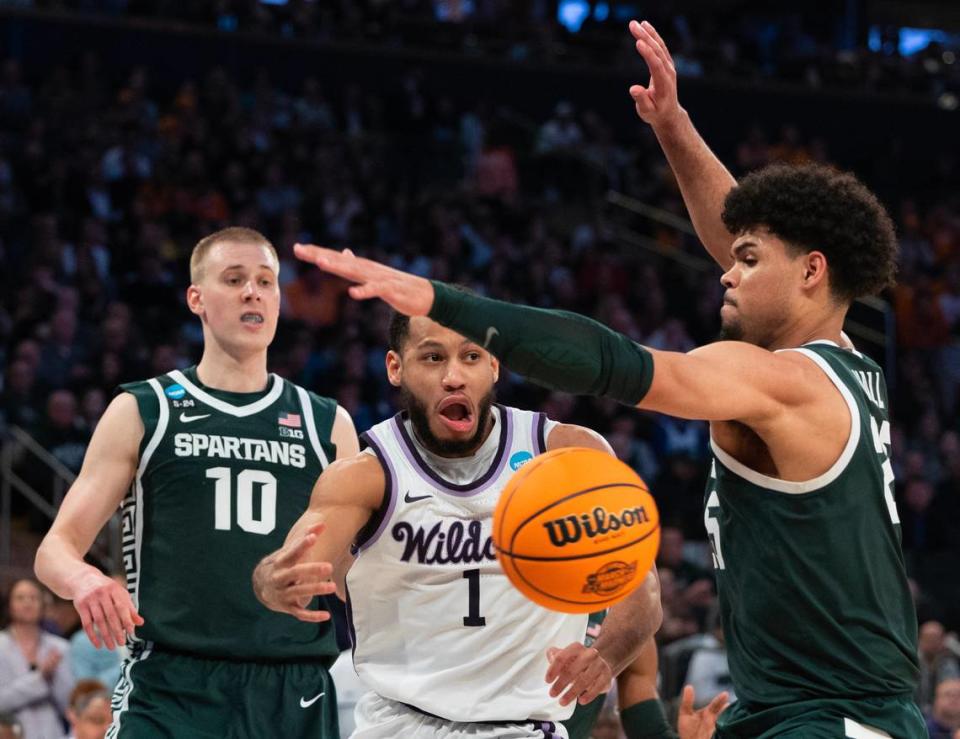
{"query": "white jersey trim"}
(240, 411)
(807, 486)
(162, 421)
(307, 407)
(120, 700)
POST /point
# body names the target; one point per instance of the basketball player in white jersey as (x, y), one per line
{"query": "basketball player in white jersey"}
(447, 646)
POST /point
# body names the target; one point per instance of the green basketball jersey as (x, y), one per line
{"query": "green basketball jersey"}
(221, 480)
(811, 579)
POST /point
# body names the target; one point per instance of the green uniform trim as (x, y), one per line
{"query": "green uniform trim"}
(557, 349)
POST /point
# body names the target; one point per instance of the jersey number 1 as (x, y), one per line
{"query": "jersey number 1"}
(473, 617)
(246, 479)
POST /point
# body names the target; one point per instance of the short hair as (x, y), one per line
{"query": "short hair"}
(814, 207)
(85, 692)
(235, 234)
(399, 331)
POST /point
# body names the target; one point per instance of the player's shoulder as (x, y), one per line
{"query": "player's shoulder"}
(572, 435)
(360, 476)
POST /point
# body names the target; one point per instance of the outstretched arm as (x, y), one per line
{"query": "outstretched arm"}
(109, 466)
(704, 181)
(343, 499)
(725, 381)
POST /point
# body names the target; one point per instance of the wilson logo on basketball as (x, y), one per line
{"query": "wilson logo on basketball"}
(570, 529)
(610, 578)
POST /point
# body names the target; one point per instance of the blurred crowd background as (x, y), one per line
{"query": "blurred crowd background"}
(110, 172)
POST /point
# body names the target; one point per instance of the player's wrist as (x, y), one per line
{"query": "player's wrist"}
(672, 126)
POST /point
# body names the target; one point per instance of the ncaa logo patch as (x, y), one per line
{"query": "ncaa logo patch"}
(519, 459)
(175, 392)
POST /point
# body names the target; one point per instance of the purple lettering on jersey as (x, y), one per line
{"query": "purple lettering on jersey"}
(455, 545)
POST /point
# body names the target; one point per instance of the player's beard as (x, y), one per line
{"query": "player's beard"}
(420, 419)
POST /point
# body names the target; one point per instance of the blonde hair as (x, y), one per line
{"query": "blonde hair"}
(234, 234)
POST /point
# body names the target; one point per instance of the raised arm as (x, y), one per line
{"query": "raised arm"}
(704, 181)
(343, 499)
(104, 605)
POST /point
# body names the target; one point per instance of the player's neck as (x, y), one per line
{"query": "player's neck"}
(222, 371)
(808, 328)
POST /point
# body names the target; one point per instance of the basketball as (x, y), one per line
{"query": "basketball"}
(576, 530)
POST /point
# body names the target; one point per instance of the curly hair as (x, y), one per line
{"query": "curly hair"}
(813, 207)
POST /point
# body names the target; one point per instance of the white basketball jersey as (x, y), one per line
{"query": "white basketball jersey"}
(435, 622)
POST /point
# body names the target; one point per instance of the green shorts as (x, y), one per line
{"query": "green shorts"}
(866, 718)
(165, 695)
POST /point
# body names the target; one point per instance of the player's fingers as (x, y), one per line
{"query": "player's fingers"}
(310, 588)
(114, 623)
(686, 700)
(584, 688)
(718, 704)
(662, 68)
(366, 291)
(343, 265)
(121, 607)
(102, 625)
(314, 617)
(306, 572)
(657, 38)
(295, 549)
(86, 619)
(559, 661)
(577, 664)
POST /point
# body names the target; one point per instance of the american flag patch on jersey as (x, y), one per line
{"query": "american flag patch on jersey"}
(290, 419)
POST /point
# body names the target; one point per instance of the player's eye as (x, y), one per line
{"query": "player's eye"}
(473, 356)
(266, 283)
(432, 357)
(233, 280)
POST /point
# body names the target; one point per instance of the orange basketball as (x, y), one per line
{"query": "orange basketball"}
(576, 530)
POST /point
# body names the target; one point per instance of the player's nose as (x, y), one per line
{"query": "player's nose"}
(251, 291)
(730, 278)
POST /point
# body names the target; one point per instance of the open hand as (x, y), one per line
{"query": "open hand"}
(284, 582)
(106, 610)
(699, 724)
(582, 669)
(657, 103)
(405, 293)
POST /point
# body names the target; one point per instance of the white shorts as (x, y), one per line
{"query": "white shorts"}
(380, 718)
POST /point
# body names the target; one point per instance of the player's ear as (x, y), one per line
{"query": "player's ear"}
(394, 368)
(195, 300)
(495, 366)
(814, 269)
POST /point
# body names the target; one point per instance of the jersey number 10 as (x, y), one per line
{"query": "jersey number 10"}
(246, 479)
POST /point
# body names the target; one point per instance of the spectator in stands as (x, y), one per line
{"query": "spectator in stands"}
(944, 720)
(937, 662)
(89, 712)
(35, 675)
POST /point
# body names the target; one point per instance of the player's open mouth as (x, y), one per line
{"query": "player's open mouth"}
(456, 414)
(252, 318)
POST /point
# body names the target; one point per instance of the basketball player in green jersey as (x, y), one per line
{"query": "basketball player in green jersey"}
(817, 614)
(221, 458)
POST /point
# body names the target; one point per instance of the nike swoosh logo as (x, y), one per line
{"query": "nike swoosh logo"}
(187, 419)
(411, 499)
(304, 703)
(491, 332)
